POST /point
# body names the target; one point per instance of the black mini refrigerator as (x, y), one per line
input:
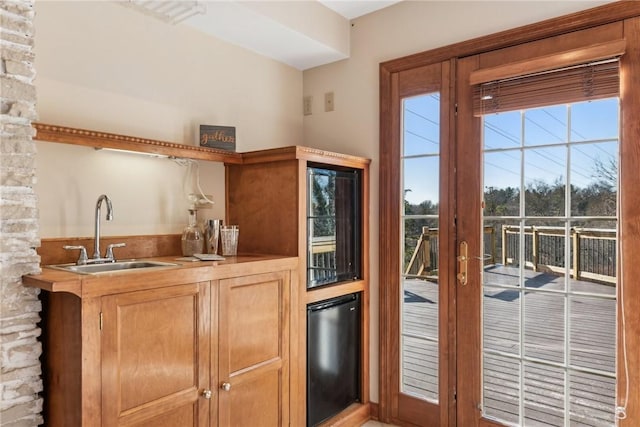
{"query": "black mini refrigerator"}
(333, 357)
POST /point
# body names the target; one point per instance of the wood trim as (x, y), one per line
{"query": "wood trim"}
(488, 423)
(91, 394)
(365, 308)
(339, 289)
(588, 18)
(296, 395)
(301, 374)
(388, 240)
(62, 346)
(214, 344)
(297, 152)
(204, 350)
(355, 415)
(374, 410)
(553, 61)
(629, 231)
(95, 139)
(447, 250)
(468, 298)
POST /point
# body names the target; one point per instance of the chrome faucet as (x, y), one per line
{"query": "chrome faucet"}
(109, 257)
(96, 244)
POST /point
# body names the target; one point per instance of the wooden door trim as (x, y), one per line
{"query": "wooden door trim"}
(389, 218)
(468, 229)
(629, 212)
(564, 24)
(389, 141)
(422, 80)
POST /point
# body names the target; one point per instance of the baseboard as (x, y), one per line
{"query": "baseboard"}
(353, 416)
(374, 410)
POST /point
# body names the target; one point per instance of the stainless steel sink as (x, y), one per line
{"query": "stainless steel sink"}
(111, 267)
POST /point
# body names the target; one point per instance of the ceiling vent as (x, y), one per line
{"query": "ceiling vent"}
(172, 12)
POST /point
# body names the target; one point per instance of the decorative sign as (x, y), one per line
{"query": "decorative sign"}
(223, 137)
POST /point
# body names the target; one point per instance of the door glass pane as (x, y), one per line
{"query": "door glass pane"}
(550, 262)
(545, 254)
(502, 182)
(545, 126)
(589, 408)
(503, 131)
(419, 257)
(545, 171)
(594, 179)
(501, 388)
(544, 388)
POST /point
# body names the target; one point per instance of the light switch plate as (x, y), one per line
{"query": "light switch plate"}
(328, 102)
(307, 103)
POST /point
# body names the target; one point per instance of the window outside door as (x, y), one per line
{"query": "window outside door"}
(549, 279)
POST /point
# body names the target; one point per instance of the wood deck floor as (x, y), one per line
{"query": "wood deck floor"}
(590, 327)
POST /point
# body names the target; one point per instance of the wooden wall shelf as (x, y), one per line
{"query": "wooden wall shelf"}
(89, 138)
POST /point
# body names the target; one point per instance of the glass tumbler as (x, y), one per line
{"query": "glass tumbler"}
(229, 237)
(213, 235)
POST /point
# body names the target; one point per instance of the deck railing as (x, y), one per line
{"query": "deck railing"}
(592, 253)
(322, 265)
(424, 260)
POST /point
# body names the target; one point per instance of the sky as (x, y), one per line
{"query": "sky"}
(559, 143)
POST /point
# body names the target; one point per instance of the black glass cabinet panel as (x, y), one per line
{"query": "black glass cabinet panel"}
(333, 225)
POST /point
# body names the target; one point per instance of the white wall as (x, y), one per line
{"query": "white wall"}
(101, 66)
(399, 30)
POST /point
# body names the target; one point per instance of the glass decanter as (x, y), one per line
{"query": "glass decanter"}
(192, 236)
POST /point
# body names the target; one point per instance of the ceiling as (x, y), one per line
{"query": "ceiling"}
(355, 9)
(303, 33)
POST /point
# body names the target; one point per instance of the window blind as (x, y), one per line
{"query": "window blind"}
(595, 80)
(590, 72)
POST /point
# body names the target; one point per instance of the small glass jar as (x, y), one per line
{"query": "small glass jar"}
(192, 236)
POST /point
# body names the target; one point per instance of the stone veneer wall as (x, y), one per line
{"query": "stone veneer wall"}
(20, 370)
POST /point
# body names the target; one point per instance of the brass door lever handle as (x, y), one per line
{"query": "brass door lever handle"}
(463, 258)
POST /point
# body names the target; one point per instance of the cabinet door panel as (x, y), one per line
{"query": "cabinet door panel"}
(254, 350)
(155, 354)
(182, 416)
(255, 323)
(254, 402)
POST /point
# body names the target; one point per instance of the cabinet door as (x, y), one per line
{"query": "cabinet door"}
(155, 357)
(254, 351)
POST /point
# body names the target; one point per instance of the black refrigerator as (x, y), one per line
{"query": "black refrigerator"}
(333, 357)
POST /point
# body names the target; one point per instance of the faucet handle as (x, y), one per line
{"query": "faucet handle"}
(109, 254)
(82, 259)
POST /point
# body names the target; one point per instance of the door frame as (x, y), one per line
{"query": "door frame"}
(389, 207)
(421, 80)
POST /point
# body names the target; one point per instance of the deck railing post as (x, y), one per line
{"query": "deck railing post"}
(535, 243)
(576, 253)
(493, 245)
(504, 245)
(426, 250)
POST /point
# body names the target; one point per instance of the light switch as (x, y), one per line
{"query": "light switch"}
(328, 102)
(307, 103)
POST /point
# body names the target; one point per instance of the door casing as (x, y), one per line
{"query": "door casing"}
(461, 351)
